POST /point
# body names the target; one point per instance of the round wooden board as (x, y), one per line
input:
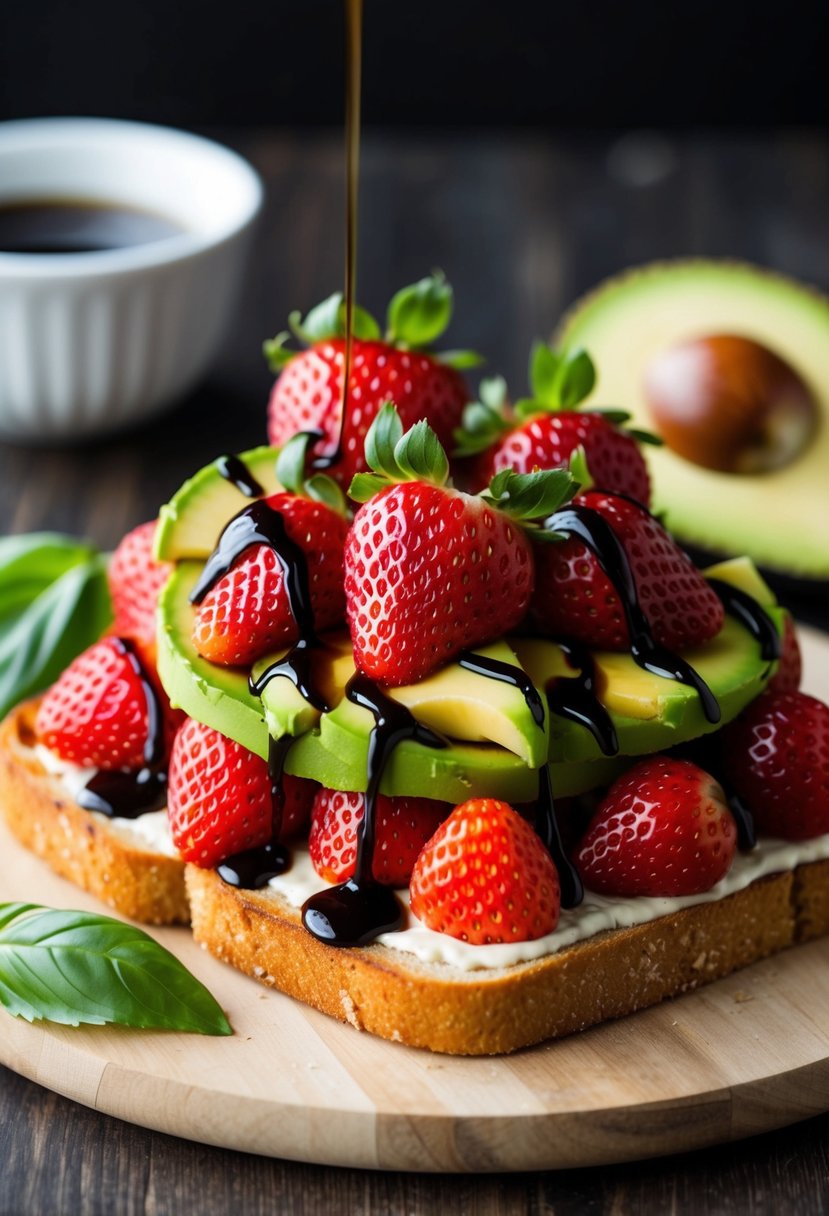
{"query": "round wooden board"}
(743, 1056)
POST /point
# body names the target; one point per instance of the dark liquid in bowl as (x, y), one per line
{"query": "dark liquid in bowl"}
(78, 226)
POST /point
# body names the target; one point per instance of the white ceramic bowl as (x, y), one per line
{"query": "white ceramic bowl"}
(90, 342)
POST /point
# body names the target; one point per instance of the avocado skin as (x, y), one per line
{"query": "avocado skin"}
(777, 518)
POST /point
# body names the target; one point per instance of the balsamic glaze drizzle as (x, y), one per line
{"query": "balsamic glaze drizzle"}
(254, 868)
(751, 615)
(595, 532)
(506, 673)
(572, 888)
(357, 911)
(574, 697)
(296, 666)
(128, 794)
(234, 470)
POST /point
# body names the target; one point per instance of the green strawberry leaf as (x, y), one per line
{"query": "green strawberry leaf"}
(327, 320)
(420, 455)
(395, 456)
(276, 353)
(63, 614)
(483, 422)
(655, 441)
(530, 497)
(576, 379)
(493, 392)
(291, 464)
(579, 469)
(559, 381)
(545, 364)
(615, 417)
(460, 360)
(79, 967)
(420, 313)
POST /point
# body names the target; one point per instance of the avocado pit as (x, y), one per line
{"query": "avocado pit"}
(730, 404)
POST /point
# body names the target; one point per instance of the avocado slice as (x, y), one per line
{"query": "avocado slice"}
(779, 517)
(217, 696)
(334, 748)
(650, 713)
(190, 523)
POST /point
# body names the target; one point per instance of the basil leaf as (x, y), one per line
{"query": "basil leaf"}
(42, 639)
(78, 967)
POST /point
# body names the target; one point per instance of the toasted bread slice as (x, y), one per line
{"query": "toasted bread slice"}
(395, 995)
(105, 858)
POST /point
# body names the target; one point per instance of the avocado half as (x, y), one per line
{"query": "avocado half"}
(778, 518)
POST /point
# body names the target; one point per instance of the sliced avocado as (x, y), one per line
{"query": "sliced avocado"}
(217, 696)
(779, 517)
(286, 710)
(649, 712)
(190, 523)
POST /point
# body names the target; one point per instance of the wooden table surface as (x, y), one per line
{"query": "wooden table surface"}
(521, 225)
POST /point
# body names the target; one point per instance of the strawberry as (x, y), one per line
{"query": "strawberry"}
(219, 797)
(485, 877)
(248, 611)
(96, 714)
(135, 580)
(790, 668)
(545, 431)
(775, 757)
(307, 395)
(403, 826)
(663, 829)
(430, 571)
(574, 598)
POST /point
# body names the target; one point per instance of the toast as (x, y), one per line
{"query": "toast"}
(107, 858)
(444, 1008)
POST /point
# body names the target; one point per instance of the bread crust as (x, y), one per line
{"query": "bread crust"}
(135, 882)
(432, 1005)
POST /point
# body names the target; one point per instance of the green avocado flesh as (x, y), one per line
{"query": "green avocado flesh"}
(495, 745)
(778, 518)
(190, 523)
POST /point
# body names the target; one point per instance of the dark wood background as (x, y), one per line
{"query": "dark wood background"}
(521, 225)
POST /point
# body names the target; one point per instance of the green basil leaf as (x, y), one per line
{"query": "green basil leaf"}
(419, 314)
(40, 642)
(79, 967)
(38, 558)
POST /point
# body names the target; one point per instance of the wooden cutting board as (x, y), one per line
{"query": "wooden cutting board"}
(743, 1056)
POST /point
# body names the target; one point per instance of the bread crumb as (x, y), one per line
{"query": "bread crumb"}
(699, 962)
(741, 997)
(350, 1010)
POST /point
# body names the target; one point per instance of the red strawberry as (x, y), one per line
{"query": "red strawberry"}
(546, 431)
(486, 877)
(575, 599)
(96, 714)
(776, 759)
(547, 441)
(307, 395)
(403, 826)
(663, 829)
(790, 668)
(219, 797)
(430, 571)
(135, 580)
(248, 613)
